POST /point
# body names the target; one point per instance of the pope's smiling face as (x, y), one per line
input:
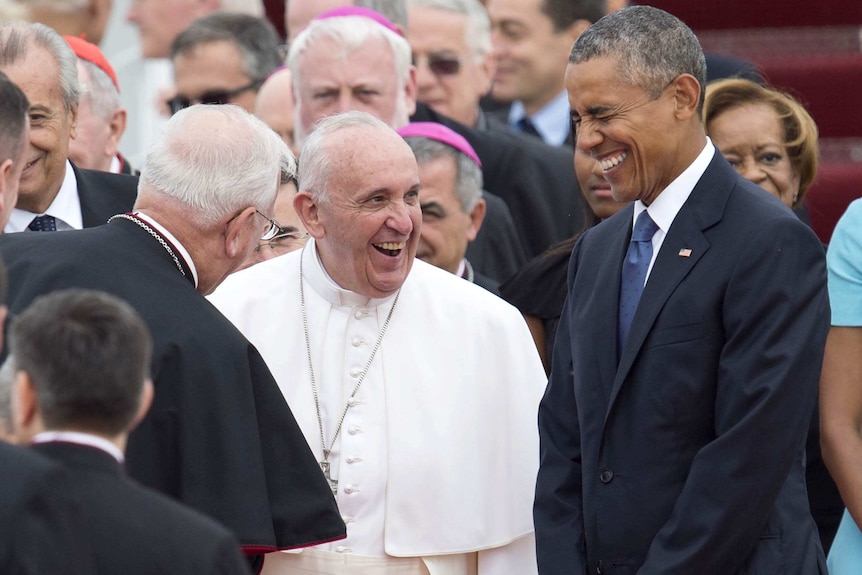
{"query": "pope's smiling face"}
(369, 217)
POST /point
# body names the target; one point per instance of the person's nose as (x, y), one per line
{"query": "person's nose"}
(399, 219)
(587, 137)
(345, 103)
(751, 171)
(425, 78)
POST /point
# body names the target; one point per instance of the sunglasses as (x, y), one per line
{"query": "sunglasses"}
(218, 97)
(441, 65)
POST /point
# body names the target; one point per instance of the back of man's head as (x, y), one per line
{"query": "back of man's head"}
(14, 139)
(211, 162)
(87, 357)
(256, 39)
(13, 119)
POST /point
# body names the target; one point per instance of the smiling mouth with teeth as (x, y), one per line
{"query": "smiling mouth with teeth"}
(609, 163)
(390, 248)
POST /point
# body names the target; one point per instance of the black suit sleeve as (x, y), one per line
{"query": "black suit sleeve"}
(558, 508)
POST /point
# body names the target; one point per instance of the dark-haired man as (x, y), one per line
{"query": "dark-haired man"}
(82, 362)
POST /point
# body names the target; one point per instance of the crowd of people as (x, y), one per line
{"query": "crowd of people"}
(429, 287)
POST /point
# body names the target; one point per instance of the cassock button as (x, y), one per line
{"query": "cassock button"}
(606, 476)
(342, 549)
(355, 372)
(354, 459)
(360, 313)
(357, 341)
(354, 430)
(348, 489)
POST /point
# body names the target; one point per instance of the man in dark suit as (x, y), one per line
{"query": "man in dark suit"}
(219, 436)
(54, 195)
(674, 423)
(39, 529)
(38, 518)
(82, 360)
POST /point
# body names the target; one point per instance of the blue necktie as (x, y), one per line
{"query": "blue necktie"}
(44, 223)
(526, 125)
(634, 273)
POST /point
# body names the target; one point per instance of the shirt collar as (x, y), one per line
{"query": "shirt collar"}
(79, 438)
(66, 207)
(669, 202)
(322, 283)
(187, 258)
(552, 121)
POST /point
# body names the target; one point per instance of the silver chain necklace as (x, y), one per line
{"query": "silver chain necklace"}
(153, 233)
(324, 464)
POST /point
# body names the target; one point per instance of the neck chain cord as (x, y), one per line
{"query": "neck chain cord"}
(153, 233)
(324, 464)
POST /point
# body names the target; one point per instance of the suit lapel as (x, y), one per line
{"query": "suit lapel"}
(684, 245)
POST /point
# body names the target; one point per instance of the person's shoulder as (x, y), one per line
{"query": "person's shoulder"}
(439, 286)
(271, 276)
(18, 462)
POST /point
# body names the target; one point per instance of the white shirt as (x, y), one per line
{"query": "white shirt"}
(446, 437)
(552, 122)
(667, 205)
(79, 438)
(66, 208)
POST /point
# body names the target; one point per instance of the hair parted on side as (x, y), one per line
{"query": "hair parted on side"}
(652, 48)
(88, 356)
(255, 38)
(17, 38)
(216, 160)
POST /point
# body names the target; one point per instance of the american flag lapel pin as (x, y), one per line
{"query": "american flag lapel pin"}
(684, 253)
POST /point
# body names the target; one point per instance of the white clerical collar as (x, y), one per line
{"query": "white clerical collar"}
(322, 283)
(174, 242)
(79, 438)
(116, 165)
(66, 208)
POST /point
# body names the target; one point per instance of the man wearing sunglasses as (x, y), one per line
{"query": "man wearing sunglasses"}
(451, 45)
(223, 58)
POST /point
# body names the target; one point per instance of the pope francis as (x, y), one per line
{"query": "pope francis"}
(416, 390)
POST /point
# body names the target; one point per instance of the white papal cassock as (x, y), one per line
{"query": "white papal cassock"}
(438, 453)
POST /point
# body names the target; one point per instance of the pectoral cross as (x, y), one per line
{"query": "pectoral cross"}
(333, 483)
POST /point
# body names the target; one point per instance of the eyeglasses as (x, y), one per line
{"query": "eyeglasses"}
(272, 231)
(218, 97)
(441, 65)
(287, 237)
